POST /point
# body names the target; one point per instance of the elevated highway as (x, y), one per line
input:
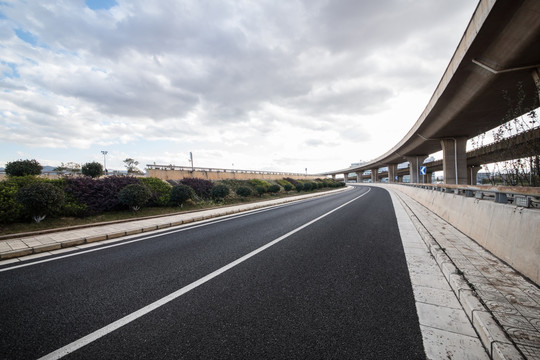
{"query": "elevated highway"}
(518, 146)
(495, 66)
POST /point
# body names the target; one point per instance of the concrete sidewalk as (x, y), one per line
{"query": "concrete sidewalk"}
(502, 305)
(17, 248)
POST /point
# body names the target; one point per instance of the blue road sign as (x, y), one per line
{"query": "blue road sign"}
(423, 170)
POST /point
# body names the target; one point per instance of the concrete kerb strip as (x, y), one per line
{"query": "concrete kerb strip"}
(490, 332)
(30, 250)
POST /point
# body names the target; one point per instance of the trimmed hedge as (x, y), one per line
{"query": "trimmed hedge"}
(219, 192)
(243, 191)
(161, 191)
(180, 194)
(10, 210)
(99, 195)
(134, 196)
(292, 181)
(258, 182)
(40, 199)
(261, 190)
(85, 196)
(200, 186)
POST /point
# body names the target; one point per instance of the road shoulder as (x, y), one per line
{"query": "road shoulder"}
(446, 329)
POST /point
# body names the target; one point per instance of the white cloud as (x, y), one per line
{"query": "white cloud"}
(319, 82)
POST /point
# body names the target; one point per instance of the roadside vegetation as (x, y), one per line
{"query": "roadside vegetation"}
(30, 203)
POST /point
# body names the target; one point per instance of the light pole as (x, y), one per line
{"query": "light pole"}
(104, 152)
(191, 161)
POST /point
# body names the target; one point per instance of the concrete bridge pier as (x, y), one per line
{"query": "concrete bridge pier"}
(414, 167)
(374, 173)
(472, 172)
(359, 177)
(392, 172)
(455, 160)
(428, 177)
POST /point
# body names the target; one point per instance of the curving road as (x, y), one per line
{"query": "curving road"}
(324, 278)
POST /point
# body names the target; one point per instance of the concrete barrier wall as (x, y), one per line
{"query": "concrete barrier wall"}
(509, 232)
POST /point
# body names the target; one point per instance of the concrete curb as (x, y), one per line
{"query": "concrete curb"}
(71, 242)
(491, 334)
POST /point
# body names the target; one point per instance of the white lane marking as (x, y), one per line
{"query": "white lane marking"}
(77, 344)
(184, 227)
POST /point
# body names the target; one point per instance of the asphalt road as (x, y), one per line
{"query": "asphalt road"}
(324, 278)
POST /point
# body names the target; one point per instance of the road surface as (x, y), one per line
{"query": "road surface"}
(324, 278)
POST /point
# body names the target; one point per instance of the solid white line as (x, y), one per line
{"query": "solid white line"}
(184, 227)
(57, 354)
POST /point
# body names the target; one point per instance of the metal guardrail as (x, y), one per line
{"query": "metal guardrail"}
(190, 169)
(527, 197)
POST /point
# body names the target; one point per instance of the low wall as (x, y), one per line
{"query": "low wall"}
(47, 175)
(167, 174)
(220, 175)
(509, 232)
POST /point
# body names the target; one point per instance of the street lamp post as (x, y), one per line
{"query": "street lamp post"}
(104, 152)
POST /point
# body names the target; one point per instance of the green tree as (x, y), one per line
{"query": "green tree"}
(243, 191)
(135, 196)
(219, 192)
(260, 190)
(131, 166)
(180, 194)
(92, 169)
(40, 199)
(23, 168)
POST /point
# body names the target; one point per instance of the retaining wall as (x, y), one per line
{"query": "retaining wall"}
(220, 175)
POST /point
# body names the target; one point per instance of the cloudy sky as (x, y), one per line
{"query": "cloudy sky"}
(262, 85)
